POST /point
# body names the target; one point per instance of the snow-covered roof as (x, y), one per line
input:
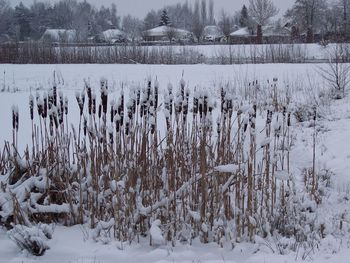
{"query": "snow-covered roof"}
(266, 30)
(68, 35)
(244, 31)
(112, 34)
(213, 31)
(273, 31)
(163, 30)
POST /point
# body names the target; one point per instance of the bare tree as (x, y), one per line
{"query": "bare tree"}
(171, 33)
(225, 23)
(5, 14)
(345, 6)
(336, 73)
(262, 10)
(204, 12)
(211, 12)
(197, 25)
(132, 26)
(308, 15)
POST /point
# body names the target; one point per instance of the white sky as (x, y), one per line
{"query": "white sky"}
(140, 8)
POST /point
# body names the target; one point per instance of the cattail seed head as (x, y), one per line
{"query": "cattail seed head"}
(31, 106)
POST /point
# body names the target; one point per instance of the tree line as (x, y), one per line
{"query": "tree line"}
(308, 17)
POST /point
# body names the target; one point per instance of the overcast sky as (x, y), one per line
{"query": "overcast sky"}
(140, 8)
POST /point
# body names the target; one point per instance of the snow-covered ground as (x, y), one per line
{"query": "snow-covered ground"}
(75, 244)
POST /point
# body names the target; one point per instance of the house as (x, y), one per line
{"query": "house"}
(112, 36)
(242, 36)
(166, 33)
(276, 35)
(270, 35)
(212, 34)
(59, 36)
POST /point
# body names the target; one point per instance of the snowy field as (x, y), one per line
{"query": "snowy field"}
(75, 245)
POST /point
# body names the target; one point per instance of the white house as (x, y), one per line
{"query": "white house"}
(112, 36)
(59, 35)
(166, 33)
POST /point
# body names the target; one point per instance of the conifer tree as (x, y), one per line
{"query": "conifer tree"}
(244, 19)
(164, 19)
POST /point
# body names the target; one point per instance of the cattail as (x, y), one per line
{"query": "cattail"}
(178, 103)
(31, 106)
(182, 88)
(218, 126)
(121, 109)
(130, 109)
(200, 107)
(171, 98)
(66, 106)
(60, 115)
(54, 95)
(252, 117)
(85, 126)
(210, 107)
(39, 104)
(104, 95)
(50, 99)
(112, 111)
(288, 119)
(195, 103)
(223, 95)
(99, 111)
(156, 93)
(110, 135)
(269, 116)
(186, 101)
(15, 118)
(80, 99)
(93, 103)
(205, 104)
(54, 116)
(152, 121)
(89, 94)
(45, 110)
(138, 96)
(133, 105)
(127, 126)
(149, 90)
(117, 123)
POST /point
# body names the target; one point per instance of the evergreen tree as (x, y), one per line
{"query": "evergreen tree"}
(259, 35)
(244, 19)
(23, 19)
(164, 19)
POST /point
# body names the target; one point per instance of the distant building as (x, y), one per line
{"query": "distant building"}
(59, 36)
(212, 34)
(112, 36)
(241, 36)
(270, 35)
(166, 34)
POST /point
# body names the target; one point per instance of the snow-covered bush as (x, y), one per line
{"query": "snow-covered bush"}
(34, 239)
